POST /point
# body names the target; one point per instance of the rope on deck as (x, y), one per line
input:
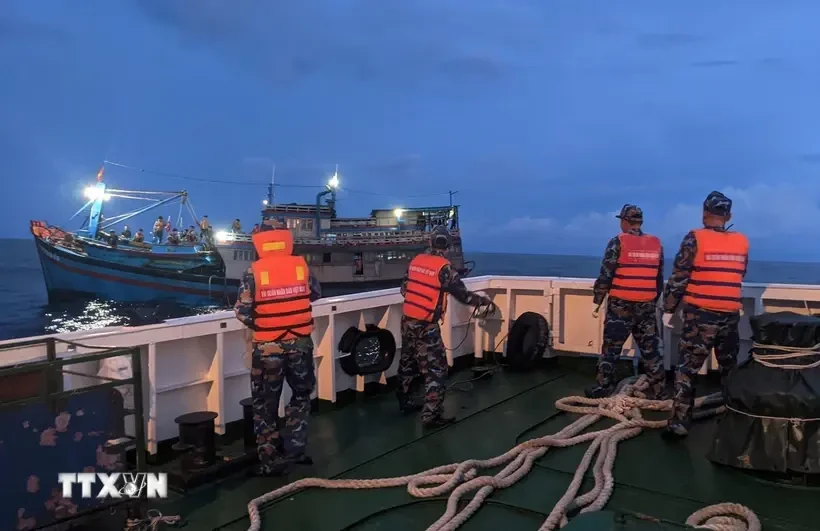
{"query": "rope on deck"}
(458, 479)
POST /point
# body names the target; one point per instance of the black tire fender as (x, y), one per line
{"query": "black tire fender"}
(528, 341)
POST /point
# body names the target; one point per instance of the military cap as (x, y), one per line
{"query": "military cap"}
(718, 204)
(630, 213)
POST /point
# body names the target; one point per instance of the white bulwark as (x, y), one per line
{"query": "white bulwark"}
(201, 363)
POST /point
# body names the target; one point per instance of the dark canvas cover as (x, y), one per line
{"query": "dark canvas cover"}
(773, 419)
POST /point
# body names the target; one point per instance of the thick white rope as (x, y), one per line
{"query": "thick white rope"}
(461, 478)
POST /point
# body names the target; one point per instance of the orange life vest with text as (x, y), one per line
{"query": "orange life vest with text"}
(716, 281)
(424, 298)
(636, 277)
(281, 299)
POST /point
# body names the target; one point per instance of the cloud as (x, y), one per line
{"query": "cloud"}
(770, 215)
(360, 40)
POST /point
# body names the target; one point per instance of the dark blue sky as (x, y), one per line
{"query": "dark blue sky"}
(547, 116)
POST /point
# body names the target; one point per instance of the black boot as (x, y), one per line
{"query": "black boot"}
(302, 460)
(599, 391)
(407, 405)
(675, 431)
(274, 469)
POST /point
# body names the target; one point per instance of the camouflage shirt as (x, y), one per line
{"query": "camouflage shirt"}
(450, 282)
(244, 302)
(684, 263)
(610, 264)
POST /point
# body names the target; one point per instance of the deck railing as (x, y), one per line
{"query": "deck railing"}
(201, 362)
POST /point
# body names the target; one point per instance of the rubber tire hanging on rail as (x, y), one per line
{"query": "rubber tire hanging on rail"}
(351, 338)
(528, 341)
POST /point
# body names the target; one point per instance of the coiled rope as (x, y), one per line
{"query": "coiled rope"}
(458, 479)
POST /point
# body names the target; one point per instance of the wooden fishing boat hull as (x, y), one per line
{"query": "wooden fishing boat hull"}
(70, 275)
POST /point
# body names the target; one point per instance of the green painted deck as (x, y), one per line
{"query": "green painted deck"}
(658, 484)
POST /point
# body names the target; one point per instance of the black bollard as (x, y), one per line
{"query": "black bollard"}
(247, 423)
(197, 429)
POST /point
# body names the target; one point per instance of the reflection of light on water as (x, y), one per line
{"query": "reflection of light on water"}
(95, 314)
(79, 316)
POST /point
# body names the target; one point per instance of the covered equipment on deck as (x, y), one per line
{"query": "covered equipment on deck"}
(772, 422)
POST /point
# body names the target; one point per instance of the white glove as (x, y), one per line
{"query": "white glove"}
(667, 320)
(595, 311)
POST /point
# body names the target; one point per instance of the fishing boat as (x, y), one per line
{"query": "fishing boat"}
(95, 262)
(350, 253)
(181, 407)
(344, 253)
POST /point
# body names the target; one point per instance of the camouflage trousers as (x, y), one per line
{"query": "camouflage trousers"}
(423, 353)
(271, 364)
(625, 318)
(703, 330)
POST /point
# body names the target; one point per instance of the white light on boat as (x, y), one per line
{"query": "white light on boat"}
(334, 181)
(265, 202)
(223, 236)
(92, 192)
(398, 212)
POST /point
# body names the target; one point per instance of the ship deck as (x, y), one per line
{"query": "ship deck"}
(658, 484)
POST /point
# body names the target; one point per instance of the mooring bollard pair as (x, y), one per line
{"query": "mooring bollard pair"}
(197, 438)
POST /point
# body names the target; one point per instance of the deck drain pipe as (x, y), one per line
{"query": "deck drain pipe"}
(458, 479)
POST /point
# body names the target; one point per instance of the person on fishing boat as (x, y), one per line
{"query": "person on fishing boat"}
(632, 278)
(204, 228)
(429, 280)
(236, 227)
(126, 233)
(174, 238)
(275, 303)
(190, 235)
(159, 225)
(707, 282)
(139, 237)
(255, 228)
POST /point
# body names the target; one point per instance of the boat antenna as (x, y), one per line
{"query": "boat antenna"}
(271, 187)
(452, 193)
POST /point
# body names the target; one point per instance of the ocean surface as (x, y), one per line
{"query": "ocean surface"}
(25, 310)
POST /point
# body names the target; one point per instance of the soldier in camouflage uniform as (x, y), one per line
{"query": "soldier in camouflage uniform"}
(633, 290)
(422, 349)
(708, 271)
(271, 363)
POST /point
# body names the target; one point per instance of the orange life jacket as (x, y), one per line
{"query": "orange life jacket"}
(636, 278)
(281, 300)
(424, 298)
(720, 263)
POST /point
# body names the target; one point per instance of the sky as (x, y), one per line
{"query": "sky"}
(546, 116)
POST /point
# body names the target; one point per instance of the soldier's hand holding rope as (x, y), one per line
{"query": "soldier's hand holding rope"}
(485, 307)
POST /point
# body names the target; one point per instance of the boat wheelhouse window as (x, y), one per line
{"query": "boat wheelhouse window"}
(325, 258)
(307, 224)
(397, 255)
(244, 255)
(358, 265)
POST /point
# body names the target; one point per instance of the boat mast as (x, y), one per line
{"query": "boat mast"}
(271, 194)
(96, 195)
(330, 188)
